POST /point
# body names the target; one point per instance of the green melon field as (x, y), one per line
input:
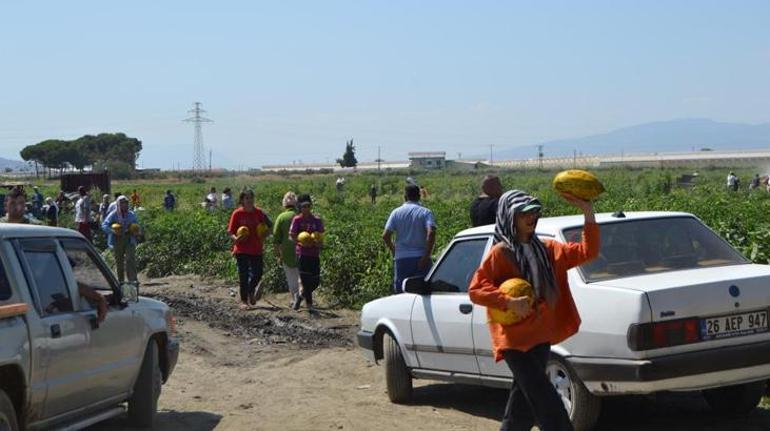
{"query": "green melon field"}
(356, 266)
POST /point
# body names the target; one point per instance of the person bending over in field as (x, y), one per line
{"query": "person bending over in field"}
(548, 318)
(307, 231)
(284, 247)
(248, 227)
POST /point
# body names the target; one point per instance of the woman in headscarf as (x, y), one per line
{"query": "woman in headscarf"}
(549, 318)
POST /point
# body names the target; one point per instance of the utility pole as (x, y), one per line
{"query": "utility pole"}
(209, 159)
(379, 158)
(491, 159)
(199, 159)
(574, 158)
(540, 156)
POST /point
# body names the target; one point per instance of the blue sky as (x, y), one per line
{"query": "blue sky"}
(288, 81)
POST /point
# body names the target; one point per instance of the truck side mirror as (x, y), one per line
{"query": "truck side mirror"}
(416, 285)
(130, 292)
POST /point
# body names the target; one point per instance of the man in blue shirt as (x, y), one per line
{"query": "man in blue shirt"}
(415, 230)
(122, 229)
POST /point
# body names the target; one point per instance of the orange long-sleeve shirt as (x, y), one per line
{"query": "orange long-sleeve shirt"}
(544, 325)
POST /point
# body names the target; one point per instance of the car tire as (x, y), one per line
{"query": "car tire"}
(143, 404)
(582, 406)
(8, 421)
(735, 400)
(397, 377)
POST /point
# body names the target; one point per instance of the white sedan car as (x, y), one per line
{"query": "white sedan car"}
(667, 306)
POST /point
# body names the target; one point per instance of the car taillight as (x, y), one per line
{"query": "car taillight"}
(648, 336)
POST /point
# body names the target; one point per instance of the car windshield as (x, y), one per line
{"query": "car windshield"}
(637, 247)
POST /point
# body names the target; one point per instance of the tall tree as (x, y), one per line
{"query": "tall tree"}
(348, 159)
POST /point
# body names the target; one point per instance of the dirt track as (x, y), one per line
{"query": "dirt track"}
(276, 369)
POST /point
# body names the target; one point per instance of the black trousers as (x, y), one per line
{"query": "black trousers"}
(310, 275)
(533, 398)
(250, 267)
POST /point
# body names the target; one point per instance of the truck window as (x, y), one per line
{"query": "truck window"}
(84, 265)
(456, 269)
(49, 281)
(5, 286)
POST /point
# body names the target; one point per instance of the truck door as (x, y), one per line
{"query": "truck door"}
(116, 346)
(64, 334)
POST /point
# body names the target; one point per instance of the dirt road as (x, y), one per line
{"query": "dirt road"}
(276, 369)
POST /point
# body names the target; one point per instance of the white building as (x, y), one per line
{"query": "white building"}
(428, 160)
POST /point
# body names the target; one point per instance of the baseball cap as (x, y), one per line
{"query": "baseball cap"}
(531, 207)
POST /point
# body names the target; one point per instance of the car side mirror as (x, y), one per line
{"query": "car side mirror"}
(416, 285)
(129, 292)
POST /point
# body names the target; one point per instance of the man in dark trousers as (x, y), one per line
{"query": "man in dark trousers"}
(484, 207)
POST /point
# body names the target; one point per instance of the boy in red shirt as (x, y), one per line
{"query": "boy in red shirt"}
(248, 245)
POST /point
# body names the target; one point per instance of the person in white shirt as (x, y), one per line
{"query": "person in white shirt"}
(83, 213)
(211, 199)
(732, 181)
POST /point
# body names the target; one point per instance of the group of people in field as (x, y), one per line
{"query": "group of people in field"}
(756, 182)
(297, 243)
(115, 219)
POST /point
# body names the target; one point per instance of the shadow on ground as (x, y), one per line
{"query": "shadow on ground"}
(166, 420)
(664, 412)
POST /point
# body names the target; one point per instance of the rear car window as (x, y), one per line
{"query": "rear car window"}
(637, 247)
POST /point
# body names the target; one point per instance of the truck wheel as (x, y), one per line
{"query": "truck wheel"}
(8, 420)
(735, 400)
(143, 404)
(582, 406)
(397, 376)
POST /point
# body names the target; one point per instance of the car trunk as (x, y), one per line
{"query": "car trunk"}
(730, 303)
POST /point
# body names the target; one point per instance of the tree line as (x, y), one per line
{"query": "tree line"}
(113, 151)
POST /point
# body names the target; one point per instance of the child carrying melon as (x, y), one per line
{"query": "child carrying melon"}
(307, 231)
(248, 227)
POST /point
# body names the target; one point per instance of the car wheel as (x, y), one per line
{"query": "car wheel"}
(8, 420)
(583, 407)
(735, 400)
(143, 404)
(397, 377)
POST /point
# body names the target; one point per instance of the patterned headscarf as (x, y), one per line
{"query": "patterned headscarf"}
(511, 203)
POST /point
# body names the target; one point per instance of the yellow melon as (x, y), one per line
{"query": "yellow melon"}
(117, 229)
(317, 236)
(513, 288)
(304, 238)
(261, 230)
(581, 184)
(242, 232)
(134, 229)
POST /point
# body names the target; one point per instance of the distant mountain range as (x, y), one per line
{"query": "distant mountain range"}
(658, 137)
(15, 165)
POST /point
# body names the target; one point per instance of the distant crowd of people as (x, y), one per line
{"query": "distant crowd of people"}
(757, 182)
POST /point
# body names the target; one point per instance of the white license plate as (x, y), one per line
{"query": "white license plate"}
(733, 325)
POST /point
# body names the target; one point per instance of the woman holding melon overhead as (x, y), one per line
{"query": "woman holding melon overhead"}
(523, 283)
(122, 229)
(248, 227)
(307, 231)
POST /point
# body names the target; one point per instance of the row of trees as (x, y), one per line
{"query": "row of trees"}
(114, 151)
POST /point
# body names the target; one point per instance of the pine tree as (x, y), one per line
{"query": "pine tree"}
(348, 159)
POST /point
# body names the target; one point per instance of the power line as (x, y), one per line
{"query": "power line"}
(199, 158)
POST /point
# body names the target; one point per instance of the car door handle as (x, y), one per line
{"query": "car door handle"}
(466, 308)
(55, 331)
